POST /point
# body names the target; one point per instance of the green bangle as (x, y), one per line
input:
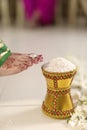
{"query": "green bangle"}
(3, 48)
(4, 53)
(4, 58)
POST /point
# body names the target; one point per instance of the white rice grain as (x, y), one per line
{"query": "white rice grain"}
(59, 65)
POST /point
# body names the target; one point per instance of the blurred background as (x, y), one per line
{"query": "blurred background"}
(43, 12)
(53, 28)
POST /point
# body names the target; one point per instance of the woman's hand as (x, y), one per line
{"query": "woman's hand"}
(18, 62)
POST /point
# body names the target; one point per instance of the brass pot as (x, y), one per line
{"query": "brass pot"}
(58, 102)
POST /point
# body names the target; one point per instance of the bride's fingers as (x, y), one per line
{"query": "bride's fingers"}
(40, 58)
(32, 56)
(36, 58)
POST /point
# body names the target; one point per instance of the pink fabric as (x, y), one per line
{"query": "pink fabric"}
(46, 9)
(29, 7)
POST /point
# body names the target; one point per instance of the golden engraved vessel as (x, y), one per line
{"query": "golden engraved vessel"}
(58, 102)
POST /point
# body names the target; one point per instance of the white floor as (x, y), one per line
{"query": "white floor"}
(28, 118)
(51, 42)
